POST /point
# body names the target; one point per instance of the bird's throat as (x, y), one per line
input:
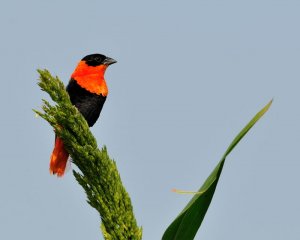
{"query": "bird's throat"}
(91, 78)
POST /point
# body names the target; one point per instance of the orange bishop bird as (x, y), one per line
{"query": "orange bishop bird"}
(88, 91)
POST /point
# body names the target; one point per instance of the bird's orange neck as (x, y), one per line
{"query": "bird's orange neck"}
(91, 78)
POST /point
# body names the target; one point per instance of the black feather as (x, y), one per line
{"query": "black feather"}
(89, 104)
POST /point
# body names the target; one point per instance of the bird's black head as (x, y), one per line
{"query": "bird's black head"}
(97, 59)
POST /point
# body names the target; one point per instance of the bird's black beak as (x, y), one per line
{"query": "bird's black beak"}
(108, 61)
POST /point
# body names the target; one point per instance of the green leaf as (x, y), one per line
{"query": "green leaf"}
(187, 223)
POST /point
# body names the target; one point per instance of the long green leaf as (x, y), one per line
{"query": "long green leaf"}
(187, 223)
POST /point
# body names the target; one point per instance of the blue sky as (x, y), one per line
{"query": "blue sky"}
(190, 75)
